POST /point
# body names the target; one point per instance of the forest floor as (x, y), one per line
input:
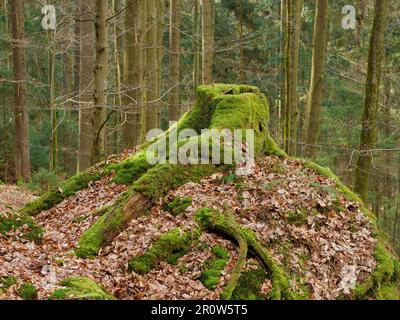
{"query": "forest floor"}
(310, 228)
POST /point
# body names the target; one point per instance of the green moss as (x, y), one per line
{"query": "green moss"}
(297, 218)
(79, 288)
(165, 177)
(274, 184)
(178, 205)
(220, 252)
(249, 285)
(7, 282)
(13, 221)
(112, 221)
(213, 267)
(168, 248)
(28, 291)
(54, 197)
(387, 292)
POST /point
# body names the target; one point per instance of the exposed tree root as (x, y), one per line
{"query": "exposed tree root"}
(225, 224)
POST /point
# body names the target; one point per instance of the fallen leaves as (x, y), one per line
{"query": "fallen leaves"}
(318, 236)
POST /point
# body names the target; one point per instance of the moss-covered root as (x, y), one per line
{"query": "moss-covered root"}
(137, 201)
(67, 189)
(229, 228)
(225, 224)
(168, 248)
(79, 288)
(130, 205)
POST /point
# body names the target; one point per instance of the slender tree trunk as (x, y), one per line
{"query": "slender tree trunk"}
(22, 160)
(369, 122)
(174, 59)
(132, 97)
(152, 67)
(5, 102)
(53, 108)
(360, 7)
(100, 81)
(283, 108)
(317, 76)
(293, 16)
(208, 40)
(160, 12)
(242, 74)
(197, 74)
(87, 50)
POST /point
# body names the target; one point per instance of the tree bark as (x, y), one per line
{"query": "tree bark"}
(293, 16)
(87, 49)
(22, 160)
(197, 45)
(100, 82)
(317, 76)
(208, 40)
(174, 59)
(152, 66)
(369, 122)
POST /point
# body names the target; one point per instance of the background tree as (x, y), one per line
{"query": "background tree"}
(293, 26)
(317, 75)
(22, 159)
(87, 60)
(174, 59)
(208, 40)
(369, 121)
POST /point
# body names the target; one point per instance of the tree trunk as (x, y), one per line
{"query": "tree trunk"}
(242, 74)
(22, 160)
(369, 122)
(52, 106)
(152, 97)
(317, 76)
(100, 82)
(293, 16)
(208, 40)
(174, 60)
(360, 7)
(133, 97)
(87, 50)
(197, 75)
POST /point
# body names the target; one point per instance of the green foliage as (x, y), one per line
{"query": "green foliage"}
(54, 197)
(79, 288)
(168, 248)
(41, 180)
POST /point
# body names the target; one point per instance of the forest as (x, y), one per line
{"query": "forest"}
(106, 106)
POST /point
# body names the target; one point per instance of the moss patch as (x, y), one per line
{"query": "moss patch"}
(7, 282)
(28, 291)
(54, 197)
(30, 230)
(177, 205)
(249, 285)
(213, 268)
(79, 288)
(168, 248)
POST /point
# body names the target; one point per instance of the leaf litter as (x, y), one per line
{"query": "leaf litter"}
(309, 227)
